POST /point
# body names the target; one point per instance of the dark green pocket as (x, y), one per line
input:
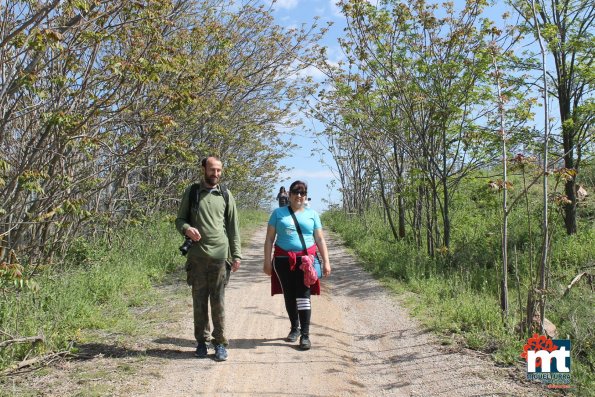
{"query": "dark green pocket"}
(227, 271)
(188, 273)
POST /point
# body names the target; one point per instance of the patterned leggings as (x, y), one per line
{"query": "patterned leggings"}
(296, 294)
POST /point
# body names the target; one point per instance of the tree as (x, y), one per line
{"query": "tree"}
(431, 70)
(107, 107)
(567, 29)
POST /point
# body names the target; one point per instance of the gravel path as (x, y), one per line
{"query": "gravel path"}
(363, 344)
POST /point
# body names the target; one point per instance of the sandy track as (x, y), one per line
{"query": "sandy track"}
(364, 344)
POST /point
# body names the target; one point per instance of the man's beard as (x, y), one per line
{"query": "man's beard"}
(212, 180)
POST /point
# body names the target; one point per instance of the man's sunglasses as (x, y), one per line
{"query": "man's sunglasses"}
(299, 192)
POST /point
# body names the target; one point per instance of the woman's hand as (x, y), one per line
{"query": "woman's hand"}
(326, 269)
(267, 268)
(321, 244)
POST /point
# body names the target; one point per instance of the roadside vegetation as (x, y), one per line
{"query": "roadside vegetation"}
(457, 293)
(462, 137)
(108, 108)
(97, 288)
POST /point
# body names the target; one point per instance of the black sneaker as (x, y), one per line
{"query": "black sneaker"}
(293, 335)
(220, 353)
(201, 350)
(305, 342)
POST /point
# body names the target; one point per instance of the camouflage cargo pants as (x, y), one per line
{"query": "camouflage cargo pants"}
(207, 277)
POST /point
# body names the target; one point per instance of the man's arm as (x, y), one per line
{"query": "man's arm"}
(183, 219)
(233, 233)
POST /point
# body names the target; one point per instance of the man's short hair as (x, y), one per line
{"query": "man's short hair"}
(204, 161)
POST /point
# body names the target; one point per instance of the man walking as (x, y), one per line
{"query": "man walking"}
(208, 216)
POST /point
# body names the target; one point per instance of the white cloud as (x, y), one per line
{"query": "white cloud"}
(309, 174)
(335, 55)
(313, 72)
(286, 4)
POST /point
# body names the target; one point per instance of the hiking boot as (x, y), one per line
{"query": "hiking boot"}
(305, 342)
(220, 353)
(293, 335)
(201, 350)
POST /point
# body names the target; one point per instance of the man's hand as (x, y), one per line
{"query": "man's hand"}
(193, 234)
(235, 265)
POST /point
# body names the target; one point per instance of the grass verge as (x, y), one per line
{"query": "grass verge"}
(99, 290)
(458, 296)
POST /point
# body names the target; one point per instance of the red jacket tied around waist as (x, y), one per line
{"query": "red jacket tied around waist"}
(292, 256)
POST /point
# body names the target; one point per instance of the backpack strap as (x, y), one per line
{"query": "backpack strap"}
(194, 196)
(225, 193)
(195, 199)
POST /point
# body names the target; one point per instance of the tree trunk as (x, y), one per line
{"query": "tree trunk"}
(418, 216)
(446, 214)
(568, 144)
(570, 209)
(504, 296)
(429, 224)
(401, 209)
(399, 189)
(543, 273)
(386, 204)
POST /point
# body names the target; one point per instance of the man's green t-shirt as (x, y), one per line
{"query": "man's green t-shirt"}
(218, 240)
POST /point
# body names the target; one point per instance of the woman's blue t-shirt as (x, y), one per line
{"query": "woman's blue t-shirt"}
(287, 235)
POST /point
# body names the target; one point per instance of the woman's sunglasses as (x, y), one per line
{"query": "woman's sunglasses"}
(302, 193)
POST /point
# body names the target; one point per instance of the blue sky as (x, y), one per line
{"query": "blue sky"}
(305, 166)
(320, 177)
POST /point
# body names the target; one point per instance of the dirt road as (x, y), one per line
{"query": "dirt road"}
(363, 344)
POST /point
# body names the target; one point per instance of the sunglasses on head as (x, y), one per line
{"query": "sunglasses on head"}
(299, 192)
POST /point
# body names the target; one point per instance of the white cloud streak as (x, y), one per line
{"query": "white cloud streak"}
(308, 174)
(286, 4)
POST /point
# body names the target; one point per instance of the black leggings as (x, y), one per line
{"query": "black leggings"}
(296, 294)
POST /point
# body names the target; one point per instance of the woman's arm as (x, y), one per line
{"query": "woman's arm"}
(321, 244)
(267, 266)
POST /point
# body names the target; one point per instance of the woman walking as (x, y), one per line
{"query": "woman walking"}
(282, 197)
(296, 233)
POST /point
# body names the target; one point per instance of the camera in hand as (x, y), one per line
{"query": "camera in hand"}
(186, 246)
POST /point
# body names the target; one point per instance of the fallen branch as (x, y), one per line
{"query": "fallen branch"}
(33, 361)
(21, 340)
(576, 280)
